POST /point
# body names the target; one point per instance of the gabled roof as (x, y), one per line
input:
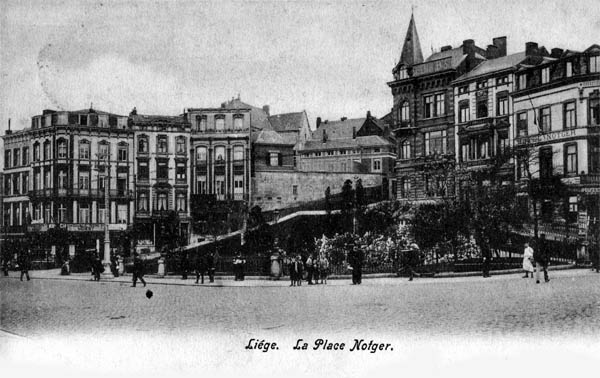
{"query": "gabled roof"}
(338, 129)
(456, 54)
(493, 65)
(287, 121)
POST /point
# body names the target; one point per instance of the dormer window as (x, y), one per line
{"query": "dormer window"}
(594, 64)
(481, 84)
(545, 75)
(402, 73)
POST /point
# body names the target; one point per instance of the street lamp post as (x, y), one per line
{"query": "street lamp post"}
(106, 261)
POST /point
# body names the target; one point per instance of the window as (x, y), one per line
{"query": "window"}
(522, 124)
(295, 190)
(84, 180)
(482, 108)
(463, 89)
(180, 172)
(220, 123)
(47, 155)
(481, 84)
(594, 147)
(273, 159)
(143, 201)
(83, 120)
(162, 146)
(201, 120)
(503, 143)
(594, 64)
(238, 153)
(405, 152)
(220, 187)
(570, 159)
(547, 210)
(16, 184)
(569, 115)
(84, 213)
(122, 185)
(545, 157)
(545, 75)
(484, 149)
(238, 122)
(101, 179)
(329, 153)
(7, 158)
(435, 142)
(569, 69)
(84, 149)
(377, 165)
(102, 214)
(37, 211)
(36, 151)
(25, 183)
(463, 112)
(522, 81)
(48, 213)
(162, 202)
(143, 144)
(220, 154)
(180, 147)
(103, 150)
(122, 152)
(402, 74)
(545, 119)
(405, 187)
(434, 106)
(25, 155)
(17, 157)
(594, 113)
(201, 154)
(62, 149)
(47, 182)
(62, 213)
(201, 185)
(405, 112)
(502, 105)
(162, 170)
(238, 187)
(502, 80)
(62, 180)
(181, 202)
(143, 172)
(121, 213)
(37, 180)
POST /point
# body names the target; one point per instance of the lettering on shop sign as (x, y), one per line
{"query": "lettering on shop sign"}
(546, 137)
(356, 345)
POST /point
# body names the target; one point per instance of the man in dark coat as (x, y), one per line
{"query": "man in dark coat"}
(211, 265)
(355, 259)
(200, 266)
(24, 264)
(185, 265)
(138, 269)
(542, 257)
(97, 268)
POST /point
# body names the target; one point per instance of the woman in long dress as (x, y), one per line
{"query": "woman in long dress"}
(527, 261)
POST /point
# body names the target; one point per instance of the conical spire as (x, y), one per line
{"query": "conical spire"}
(411, 51)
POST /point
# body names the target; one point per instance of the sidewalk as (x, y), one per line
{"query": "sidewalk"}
(266, 281)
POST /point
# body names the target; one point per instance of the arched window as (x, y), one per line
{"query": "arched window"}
(201, 154)
(47, 155)
(220, 154)
(405, 150)
(238, 153)
(62, 149)
(103, 150)
(405, 112)
(36, 151)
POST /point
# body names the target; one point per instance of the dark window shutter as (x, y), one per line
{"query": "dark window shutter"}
(268, 158)
(279, 159)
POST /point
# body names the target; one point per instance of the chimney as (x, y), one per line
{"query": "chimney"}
(8, 131)
(368, 114)
(267, 110)
(500, 43)
(222, 105)
(556, 53)
(492, 52)
(324, 136)
(531, 48)
(343, 119)
(446, 48)
(469, 47)
(133, 111)
(353, 132)
(318, 121)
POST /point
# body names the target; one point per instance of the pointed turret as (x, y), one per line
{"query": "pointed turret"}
(411, 51)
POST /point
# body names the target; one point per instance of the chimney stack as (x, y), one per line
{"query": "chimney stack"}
(343, 119)
(318, 121)
(492, 52)
(353, 132)
(531, 48)
(500, 43)
(267, 110)
(368, 114)
(469, 47)
(446, 48)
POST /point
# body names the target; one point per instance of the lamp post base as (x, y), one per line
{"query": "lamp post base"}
(107, 274)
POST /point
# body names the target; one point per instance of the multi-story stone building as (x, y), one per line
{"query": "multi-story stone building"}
(557, 121)
(162, 172)
(423, 113)
(58, 169)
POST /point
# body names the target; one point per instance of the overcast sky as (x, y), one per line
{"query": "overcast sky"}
(330, 58)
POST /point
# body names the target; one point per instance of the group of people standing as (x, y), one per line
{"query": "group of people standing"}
(317, 268)
(204, 263)
(539, 257)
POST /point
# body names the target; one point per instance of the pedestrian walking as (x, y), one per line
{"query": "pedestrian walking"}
(238, 267)
(528, 261)
(542, 258)
(299, 270)
(24, 261)
(292, 267)
(138, 269)
(324, 268)
(97, 268)
(184, 265)
(316, 270)
(5, 266)
(213, 261)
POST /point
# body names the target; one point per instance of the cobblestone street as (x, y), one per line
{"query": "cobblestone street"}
(66, 315)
